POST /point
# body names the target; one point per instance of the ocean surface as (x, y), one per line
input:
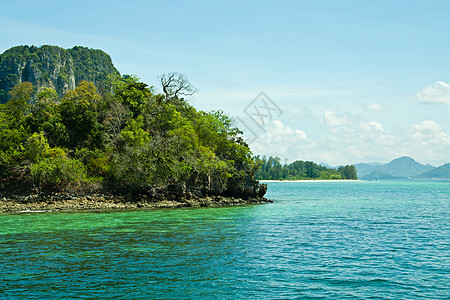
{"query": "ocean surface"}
(318, 240)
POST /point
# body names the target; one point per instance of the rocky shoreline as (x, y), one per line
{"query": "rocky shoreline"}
(73, 202)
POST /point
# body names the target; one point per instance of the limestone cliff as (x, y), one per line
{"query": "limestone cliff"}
(52, 66)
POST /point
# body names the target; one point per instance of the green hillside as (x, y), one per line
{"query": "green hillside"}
(54, 67)
(399, 168)
(127, 139)
(440, 172)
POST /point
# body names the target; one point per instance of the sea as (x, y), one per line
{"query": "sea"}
(317, 240)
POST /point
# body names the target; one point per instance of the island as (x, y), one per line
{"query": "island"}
(272, 169)
(75, 134)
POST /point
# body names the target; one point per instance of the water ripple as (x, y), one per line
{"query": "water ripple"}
(384, 241)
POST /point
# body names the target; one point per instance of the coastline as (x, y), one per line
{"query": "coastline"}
(313, 180)
(98, 202)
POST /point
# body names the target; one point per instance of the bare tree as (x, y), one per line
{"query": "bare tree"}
(175, 85)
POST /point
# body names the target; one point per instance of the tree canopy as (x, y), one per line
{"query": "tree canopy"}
(272, 169)
(129, 140)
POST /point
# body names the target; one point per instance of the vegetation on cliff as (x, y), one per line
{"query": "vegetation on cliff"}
(129, 140)
(54, 67)
(271, 169)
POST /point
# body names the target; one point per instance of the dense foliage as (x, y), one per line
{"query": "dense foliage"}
(271, 169)
(129, 140)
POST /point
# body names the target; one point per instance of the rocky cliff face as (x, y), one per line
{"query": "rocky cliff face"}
(55, 67)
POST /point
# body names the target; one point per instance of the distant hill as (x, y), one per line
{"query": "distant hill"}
(379, 175)
(399, 168)
(439, 172)
(53, 67)
(326, 165)
(364, 169)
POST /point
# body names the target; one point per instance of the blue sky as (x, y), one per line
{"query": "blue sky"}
(356, 81)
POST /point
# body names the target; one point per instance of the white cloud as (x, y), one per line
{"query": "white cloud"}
(332, 119)
(337, 136)
(279, 139)
(429, 134)
(427, 127)
(427, 142)
(281, 130)
(376, 107)
(371, 126)
(438, 92)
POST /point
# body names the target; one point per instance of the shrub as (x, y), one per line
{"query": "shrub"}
(59, 173)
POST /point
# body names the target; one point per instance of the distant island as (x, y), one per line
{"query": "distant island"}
(75, 134)
(272, 169)
(400, 169)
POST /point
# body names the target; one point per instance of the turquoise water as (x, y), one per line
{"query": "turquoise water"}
(318, 240)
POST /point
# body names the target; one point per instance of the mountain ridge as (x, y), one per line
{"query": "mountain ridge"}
(439, 172)
(400, 168)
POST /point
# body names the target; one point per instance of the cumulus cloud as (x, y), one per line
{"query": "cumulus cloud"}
(371, 126)
(427, 127)
(438, 92)
(426, 141)
(342, 145)
(279, 139)
(376, 107)
(332, 119)
(429, 140)
(280, 129)
(428, 133)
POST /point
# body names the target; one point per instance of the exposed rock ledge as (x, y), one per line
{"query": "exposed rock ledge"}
(71, 202)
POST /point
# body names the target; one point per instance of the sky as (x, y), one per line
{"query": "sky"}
(336, 82)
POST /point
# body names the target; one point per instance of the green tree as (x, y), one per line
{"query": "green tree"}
(348, 172)
(79, 115)
(270, 168)
(18, 105)
(134, 134)
(45, 117)
(59, 173)
(133, 93)
(46, 96)
(127, 140)
(36, 147)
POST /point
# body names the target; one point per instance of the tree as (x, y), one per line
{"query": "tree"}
(271, 169)
(19, 103)
(36, 147)
(12, 135)
(45, 117)
(114, 117)
(46, 96)
(133, 93)
(175, 85)
(59, 172)
(79, 114)
(128, 139)
(348, 172)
